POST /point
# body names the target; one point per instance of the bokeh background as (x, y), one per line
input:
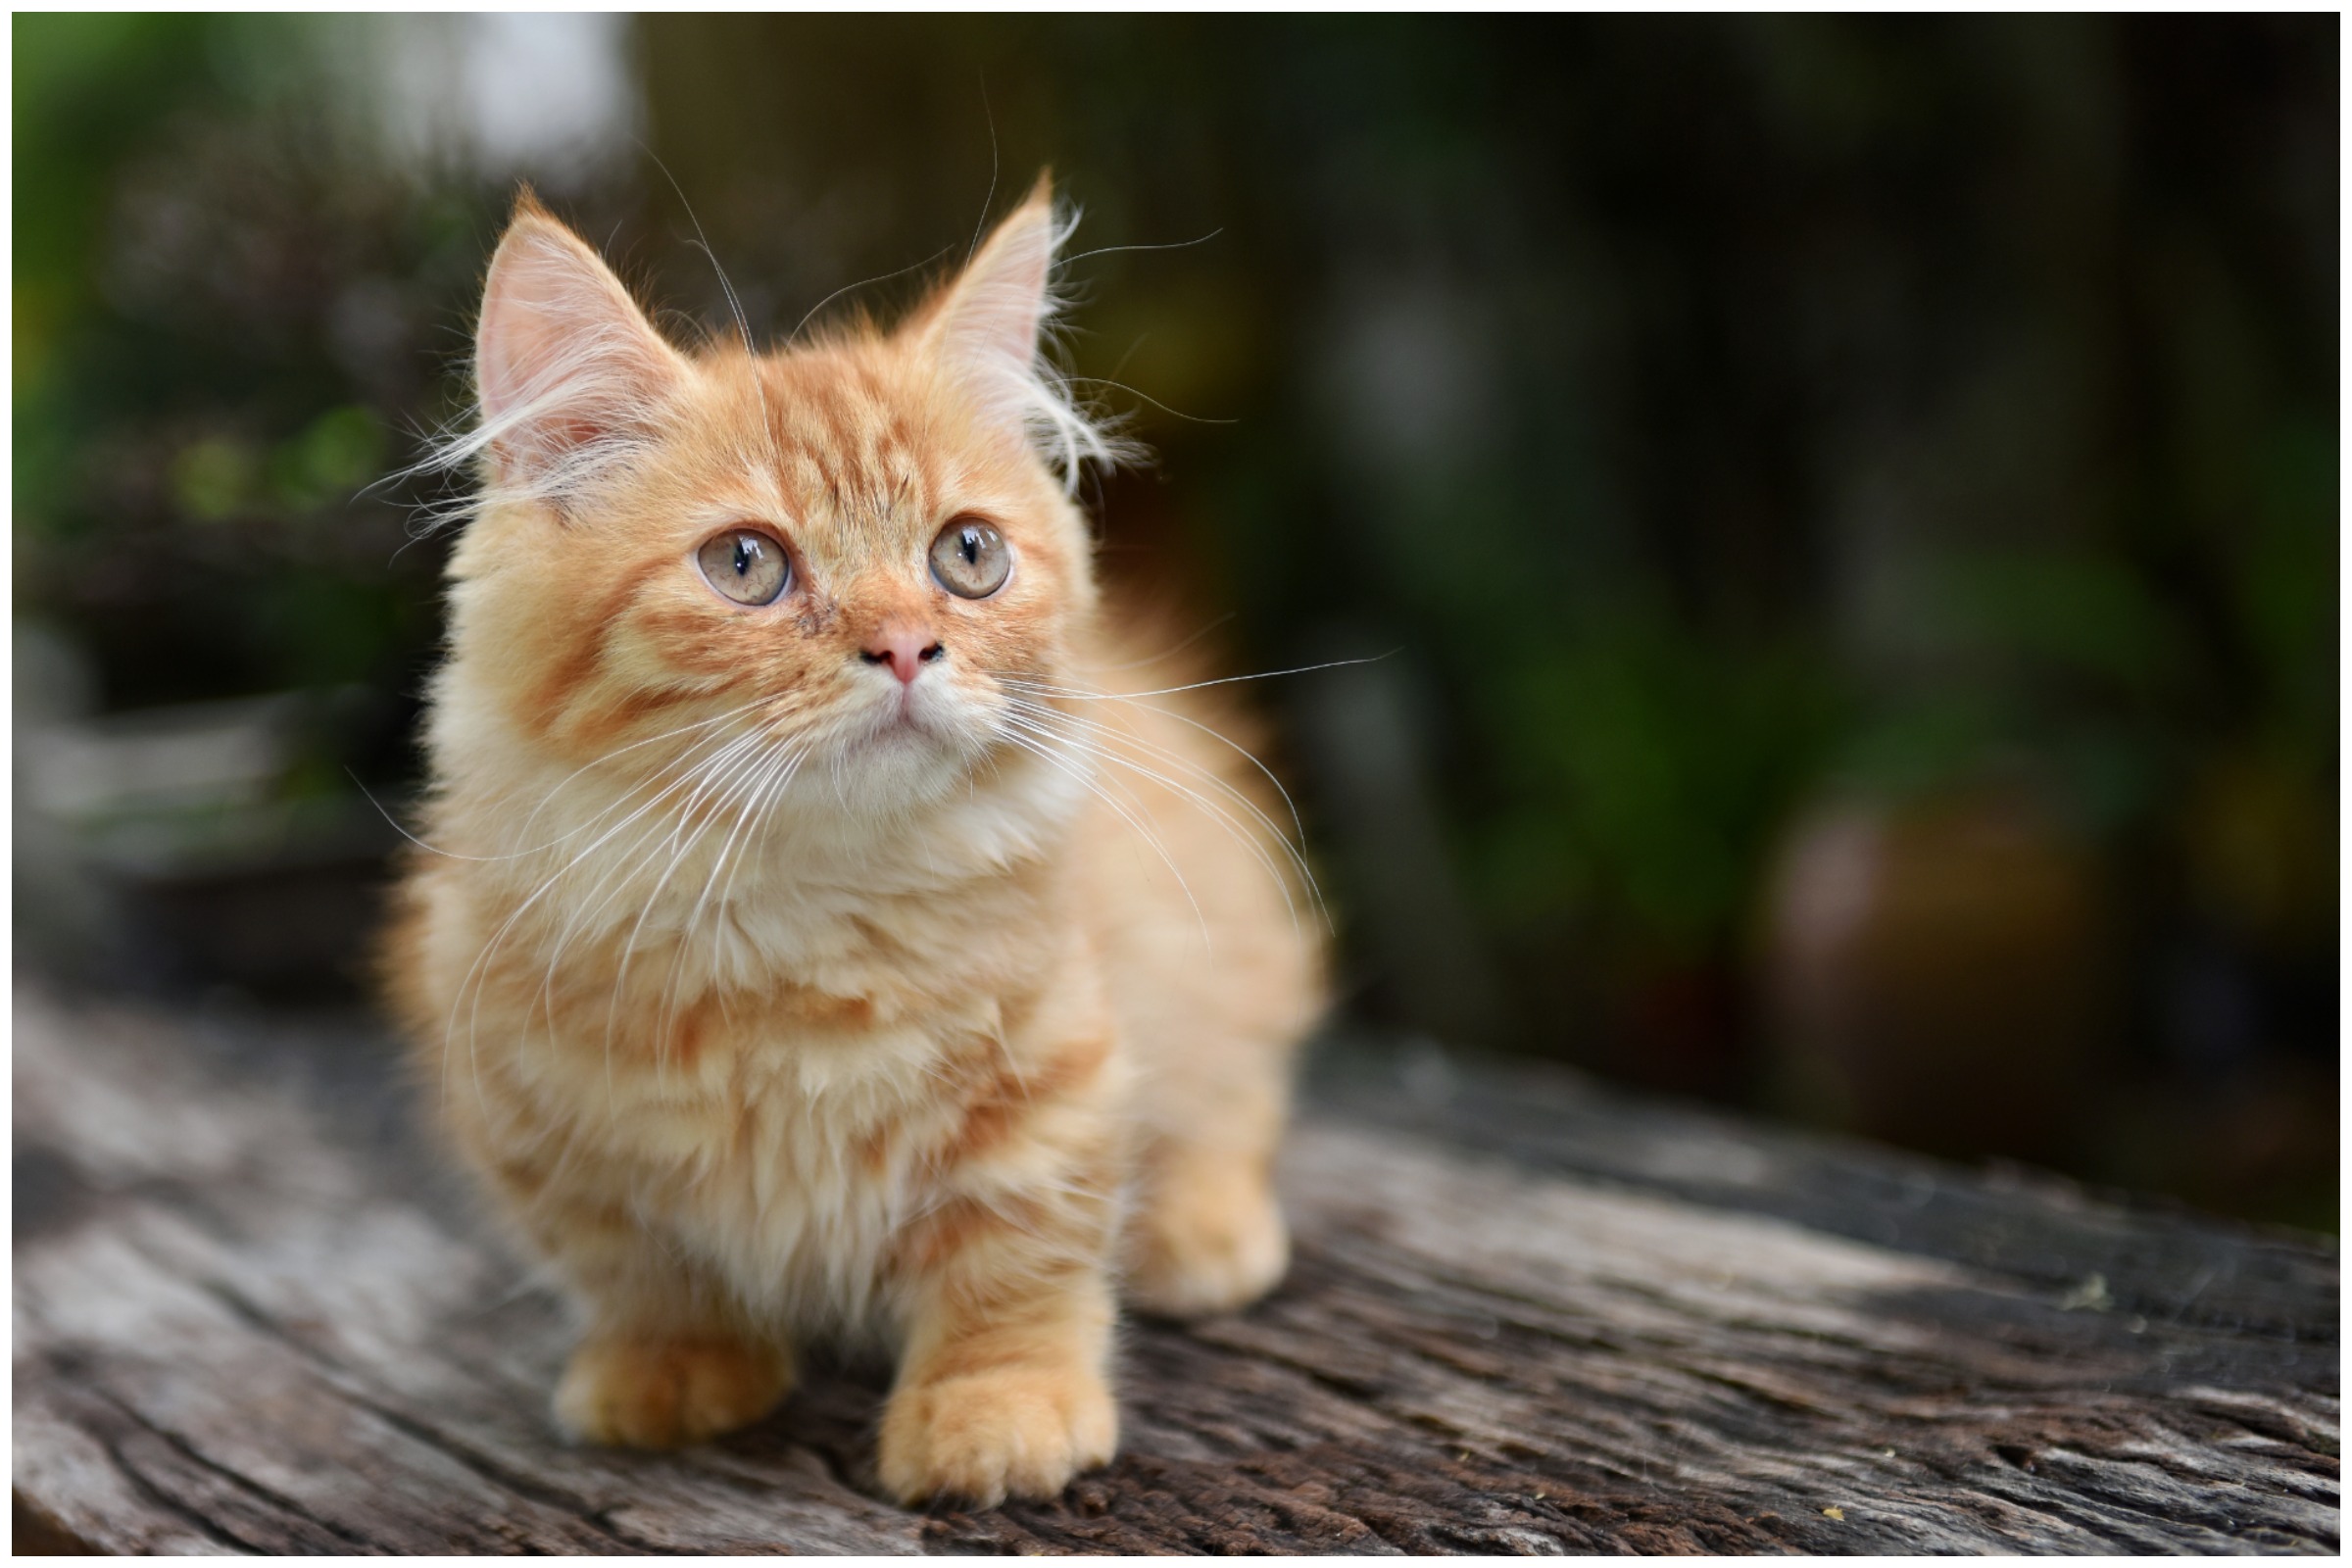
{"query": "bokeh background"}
(1847, 507)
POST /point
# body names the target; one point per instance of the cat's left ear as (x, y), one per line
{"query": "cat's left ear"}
(986, 331)
(989, 321)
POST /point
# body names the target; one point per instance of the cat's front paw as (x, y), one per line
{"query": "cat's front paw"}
(1018, 1431)
(657, 1392)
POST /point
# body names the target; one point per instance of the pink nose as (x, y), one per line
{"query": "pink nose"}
(905, 649)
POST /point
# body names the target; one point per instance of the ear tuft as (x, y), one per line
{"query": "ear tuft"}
(570, 376)
(989, 331)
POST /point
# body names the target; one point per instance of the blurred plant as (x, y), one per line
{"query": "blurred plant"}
(1655, 766)
(228, 303)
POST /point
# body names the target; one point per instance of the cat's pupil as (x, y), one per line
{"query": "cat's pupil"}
(744, 554)
(971, 547)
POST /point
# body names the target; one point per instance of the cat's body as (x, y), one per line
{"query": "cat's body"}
(842, 964)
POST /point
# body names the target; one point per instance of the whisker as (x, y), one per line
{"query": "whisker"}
(565, 781)
(1298, 825)
(1113, 250)
(847, 287)
(1209, 730)
(1224, 819)
(1189, 419)
(766, 818)
(626, 866)
(781, 760)
(675, 765)
(730, 779)
(1176, 759)
(476, 976)
(1046, 754)
(620, 750)
(1227, 680)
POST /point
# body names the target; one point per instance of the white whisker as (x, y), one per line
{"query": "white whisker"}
(1223, 680)
(1217, 813)
(476, 976)
(1046, 753)
(1132, 699)
(779, 761)
(729, 780)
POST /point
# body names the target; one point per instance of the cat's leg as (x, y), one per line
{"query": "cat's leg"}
(1214, 1025)
(667, 1359)
(1004, 1392)
(1207, 1234)
(1003, 1380)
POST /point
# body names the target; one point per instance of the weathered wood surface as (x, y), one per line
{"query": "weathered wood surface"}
(254, 1314)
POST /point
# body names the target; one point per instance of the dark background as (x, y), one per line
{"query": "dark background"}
(1848, 506)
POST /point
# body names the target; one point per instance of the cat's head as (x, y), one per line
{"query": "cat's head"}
(861, 552)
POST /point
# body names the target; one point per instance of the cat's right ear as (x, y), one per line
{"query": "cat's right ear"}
(568, 368)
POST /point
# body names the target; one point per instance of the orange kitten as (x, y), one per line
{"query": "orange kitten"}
(807, 947)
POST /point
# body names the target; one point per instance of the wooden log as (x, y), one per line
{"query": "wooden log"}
(255, 1312)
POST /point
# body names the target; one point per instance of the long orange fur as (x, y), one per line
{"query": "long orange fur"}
(781, 999)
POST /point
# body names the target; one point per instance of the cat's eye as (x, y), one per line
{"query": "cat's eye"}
(746, 565)
(970, 559)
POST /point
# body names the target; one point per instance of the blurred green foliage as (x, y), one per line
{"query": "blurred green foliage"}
(225, 318)
(1667, 765)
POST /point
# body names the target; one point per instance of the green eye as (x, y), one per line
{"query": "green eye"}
(970, 559)
(746, 566)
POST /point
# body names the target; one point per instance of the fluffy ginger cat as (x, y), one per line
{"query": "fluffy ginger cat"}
(809, 945)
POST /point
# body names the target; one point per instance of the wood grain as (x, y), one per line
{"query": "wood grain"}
(255, 1314)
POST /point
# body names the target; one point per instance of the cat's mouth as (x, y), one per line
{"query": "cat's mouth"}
(902, 719)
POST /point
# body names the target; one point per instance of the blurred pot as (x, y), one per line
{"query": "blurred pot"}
(1939, 975)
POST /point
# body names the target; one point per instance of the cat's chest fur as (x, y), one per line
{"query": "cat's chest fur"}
(793, 1149)
(798, 1072)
